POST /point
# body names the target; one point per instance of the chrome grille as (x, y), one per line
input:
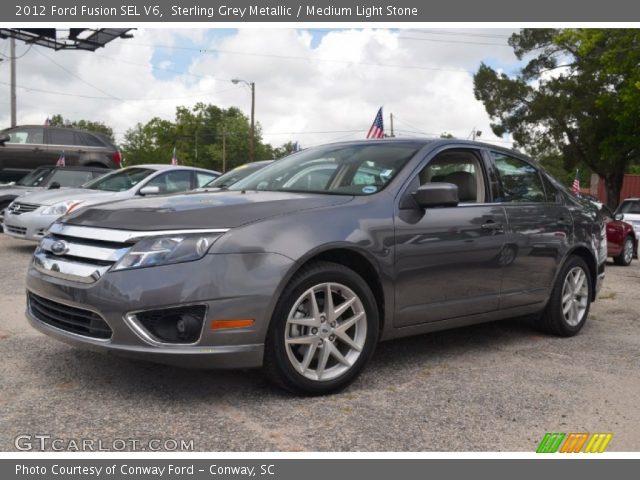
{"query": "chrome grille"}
(18, 208)
(85, 254)
(72, 319)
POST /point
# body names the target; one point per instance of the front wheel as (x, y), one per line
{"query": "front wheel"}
(324, 330)
(568, 307)
(625, 257)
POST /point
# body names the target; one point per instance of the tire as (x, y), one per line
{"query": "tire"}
(554, 320)
(625, 257)
(317, 354)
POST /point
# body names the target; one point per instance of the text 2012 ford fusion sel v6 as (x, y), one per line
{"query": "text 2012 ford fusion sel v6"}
(304, 266)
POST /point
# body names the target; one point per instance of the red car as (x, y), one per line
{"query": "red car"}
(622, 243)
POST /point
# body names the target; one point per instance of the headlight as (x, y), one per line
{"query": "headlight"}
(61, 208)
(168, 249)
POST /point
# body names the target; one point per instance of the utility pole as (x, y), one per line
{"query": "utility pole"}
(224, 150)
(252, 86)
(252, 137)
(12, 53)
(391, 125)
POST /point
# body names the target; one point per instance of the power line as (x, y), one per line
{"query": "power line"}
(307, 59)
(467, 42)
(457, 33)
(76, 76)
(17, 57)
(52, 92)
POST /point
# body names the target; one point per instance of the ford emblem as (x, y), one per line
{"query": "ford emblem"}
(59, 247)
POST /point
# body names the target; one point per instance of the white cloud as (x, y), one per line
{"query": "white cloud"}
(334, 84)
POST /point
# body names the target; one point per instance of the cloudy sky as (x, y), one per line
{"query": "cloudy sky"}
(312, 85)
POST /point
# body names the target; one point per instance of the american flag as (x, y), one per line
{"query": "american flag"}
(576, 184)
(61, 161)
(377, 127)
(47, 122)
(174, 159)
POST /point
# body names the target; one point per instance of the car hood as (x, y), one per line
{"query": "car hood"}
(50, 197)
(9, 191)
(201, 210)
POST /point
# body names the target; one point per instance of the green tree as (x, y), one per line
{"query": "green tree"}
(91, 126)
(204, 135)
(575, 103)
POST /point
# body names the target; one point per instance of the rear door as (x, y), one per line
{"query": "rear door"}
(539, 227)
(448, 259)
(67, 141)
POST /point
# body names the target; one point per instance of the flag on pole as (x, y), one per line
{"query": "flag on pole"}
(47, 122)
(174, 159)
(61, 161)
(296, 147)
(377, 127)
(576, 184)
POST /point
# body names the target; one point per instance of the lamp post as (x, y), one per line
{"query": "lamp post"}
(252, 86)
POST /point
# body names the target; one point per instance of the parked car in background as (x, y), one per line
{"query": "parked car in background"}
(622, 240)
(232, 176)
(401, 239)
(25, 148)
(29, 216)
(47, 178)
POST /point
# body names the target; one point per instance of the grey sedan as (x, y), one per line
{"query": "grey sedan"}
(305, 265)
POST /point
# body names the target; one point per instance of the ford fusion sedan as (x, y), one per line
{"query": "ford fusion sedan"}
(47, 178)
(29, 216)
(304, 266)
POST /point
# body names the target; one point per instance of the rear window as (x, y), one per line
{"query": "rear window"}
(35, 178)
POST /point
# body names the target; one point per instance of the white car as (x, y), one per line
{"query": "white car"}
(630, 210)
(29, 216)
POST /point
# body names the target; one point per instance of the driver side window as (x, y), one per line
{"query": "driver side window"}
(463, 168)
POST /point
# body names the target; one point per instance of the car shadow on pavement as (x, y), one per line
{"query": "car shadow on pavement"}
(395, 362)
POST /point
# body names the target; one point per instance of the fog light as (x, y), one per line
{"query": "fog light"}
(173, 325)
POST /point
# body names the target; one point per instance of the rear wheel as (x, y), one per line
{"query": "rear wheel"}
(323, 331)
(568, 307)
(626, 255)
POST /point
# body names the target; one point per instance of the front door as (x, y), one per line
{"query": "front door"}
(449, 260)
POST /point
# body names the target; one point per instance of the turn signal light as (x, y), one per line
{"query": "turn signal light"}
(226, 324)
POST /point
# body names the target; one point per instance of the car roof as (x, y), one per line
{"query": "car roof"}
(436, 142)
(164, 166)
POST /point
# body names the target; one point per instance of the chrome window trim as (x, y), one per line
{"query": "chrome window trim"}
(122, 236)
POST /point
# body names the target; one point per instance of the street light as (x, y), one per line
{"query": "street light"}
(252, 86)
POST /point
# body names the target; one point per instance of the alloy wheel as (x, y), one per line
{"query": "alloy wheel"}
(575, 296)
(325, 331)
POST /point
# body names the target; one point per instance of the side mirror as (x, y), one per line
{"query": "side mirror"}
(436, 195)
(4, 139)
(618, 216)
(149, 191)
(54, 186)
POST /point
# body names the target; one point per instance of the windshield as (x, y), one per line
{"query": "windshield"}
(235, 175)
(334, 169)
(35, 178)
(121, 180)
(71, 178)
(630, 206)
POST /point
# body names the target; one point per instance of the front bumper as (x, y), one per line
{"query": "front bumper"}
(231, 286)
(27, 226)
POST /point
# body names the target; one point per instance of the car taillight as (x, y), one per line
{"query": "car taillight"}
(117, 158)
